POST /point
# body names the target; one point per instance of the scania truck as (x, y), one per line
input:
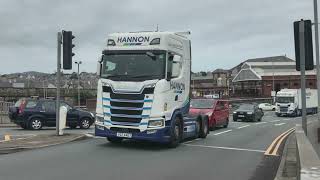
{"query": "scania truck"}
(288, 102)
(144, 89)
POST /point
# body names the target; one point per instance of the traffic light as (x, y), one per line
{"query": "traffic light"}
(307, 44)
(67, 49)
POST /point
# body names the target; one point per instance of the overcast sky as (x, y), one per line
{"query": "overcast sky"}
(223, 32)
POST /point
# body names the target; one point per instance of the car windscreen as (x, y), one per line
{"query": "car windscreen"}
(246, 107)
(202, 103)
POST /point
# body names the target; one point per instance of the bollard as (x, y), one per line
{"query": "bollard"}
(63, 119)
(7, 137)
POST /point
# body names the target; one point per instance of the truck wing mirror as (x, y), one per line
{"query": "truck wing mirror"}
(99, 66)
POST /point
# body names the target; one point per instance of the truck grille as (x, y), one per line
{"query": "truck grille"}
(125, 107)
(283, 109)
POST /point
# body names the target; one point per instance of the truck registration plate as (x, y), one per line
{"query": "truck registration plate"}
(125, 135)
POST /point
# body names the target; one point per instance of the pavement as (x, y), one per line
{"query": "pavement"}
(236, 152)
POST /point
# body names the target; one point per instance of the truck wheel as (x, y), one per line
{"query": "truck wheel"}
(176, 133)
(198, 125)
(114, 140)
(204, 129)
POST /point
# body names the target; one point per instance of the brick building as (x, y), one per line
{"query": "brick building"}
(258, 77)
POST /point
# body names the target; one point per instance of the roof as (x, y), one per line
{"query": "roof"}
(220, 71)
(271, 59)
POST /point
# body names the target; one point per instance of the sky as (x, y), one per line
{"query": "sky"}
(223, 32)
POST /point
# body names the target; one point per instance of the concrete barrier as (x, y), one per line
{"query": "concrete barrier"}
(308, 160)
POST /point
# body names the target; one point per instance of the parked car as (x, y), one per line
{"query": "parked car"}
(248, 112)
(35, 114)
(267, 107)
(216, 109)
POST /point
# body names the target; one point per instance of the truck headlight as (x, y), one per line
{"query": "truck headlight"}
(156, 123)
(234, 112)
(99, 119)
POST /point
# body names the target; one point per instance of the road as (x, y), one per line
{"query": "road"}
(236, 152)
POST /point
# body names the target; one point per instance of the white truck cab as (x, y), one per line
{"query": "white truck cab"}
(288, 102)
(144, 86)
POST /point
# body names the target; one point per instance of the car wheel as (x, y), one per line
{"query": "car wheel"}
(35, 124)
(114, 140)
(176, 133)
(226, 124)
(213, 127)
(85, 123)
(204, 130)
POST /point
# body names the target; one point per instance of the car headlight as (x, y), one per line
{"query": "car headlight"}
(249, 112)
(99, 119)
(156, 123)
(234, 112)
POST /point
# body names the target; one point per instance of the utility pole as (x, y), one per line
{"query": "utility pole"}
(303, 76)
(78, 63)
(59, 38)
(316, 33)
(274, 97)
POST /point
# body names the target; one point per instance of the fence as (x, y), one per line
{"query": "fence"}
(4, 108)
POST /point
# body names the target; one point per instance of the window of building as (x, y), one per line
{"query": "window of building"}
(310, 84)
(285, 84)
(295, 84)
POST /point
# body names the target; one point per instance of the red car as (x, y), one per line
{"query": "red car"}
(216, 109)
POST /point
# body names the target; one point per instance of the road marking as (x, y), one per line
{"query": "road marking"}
(275, 121)
(260, 123)
(279, 124)
(286, 119)
(225, 148)
(243, 126)
(273, 148)
(222, 132)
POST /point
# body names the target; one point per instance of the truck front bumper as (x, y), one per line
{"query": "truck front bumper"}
(156, 135)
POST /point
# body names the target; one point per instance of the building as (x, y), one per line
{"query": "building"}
(258, 77)
(210, 83)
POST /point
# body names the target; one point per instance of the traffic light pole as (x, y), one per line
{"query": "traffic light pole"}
(303, 76)
(59, 38)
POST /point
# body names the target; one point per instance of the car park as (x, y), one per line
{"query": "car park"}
(248, 112)
(267, 107)
(35, 114)
(217, 111)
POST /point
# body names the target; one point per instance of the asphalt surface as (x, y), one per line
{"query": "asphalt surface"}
(236, 152)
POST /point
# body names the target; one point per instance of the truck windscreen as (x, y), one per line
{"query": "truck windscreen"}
(285, 99)
(124, 66)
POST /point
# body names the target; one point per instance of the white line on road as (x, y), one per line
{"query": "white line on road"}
(260, 123)
(222, 132)
(275, 121)
(279, 124)
(226, 148)
(286, 119)
(243, 126)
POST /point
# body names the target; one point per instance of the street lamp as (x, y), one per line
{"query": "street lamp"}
(78, 63)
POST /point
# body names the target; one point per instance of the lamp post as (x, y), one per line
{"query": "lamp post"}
(78, 63)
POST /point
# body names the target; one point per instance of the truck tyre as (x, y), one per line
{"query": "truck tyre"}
(176, 133)
(114, 140)
(204, 129)
(198, 126)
